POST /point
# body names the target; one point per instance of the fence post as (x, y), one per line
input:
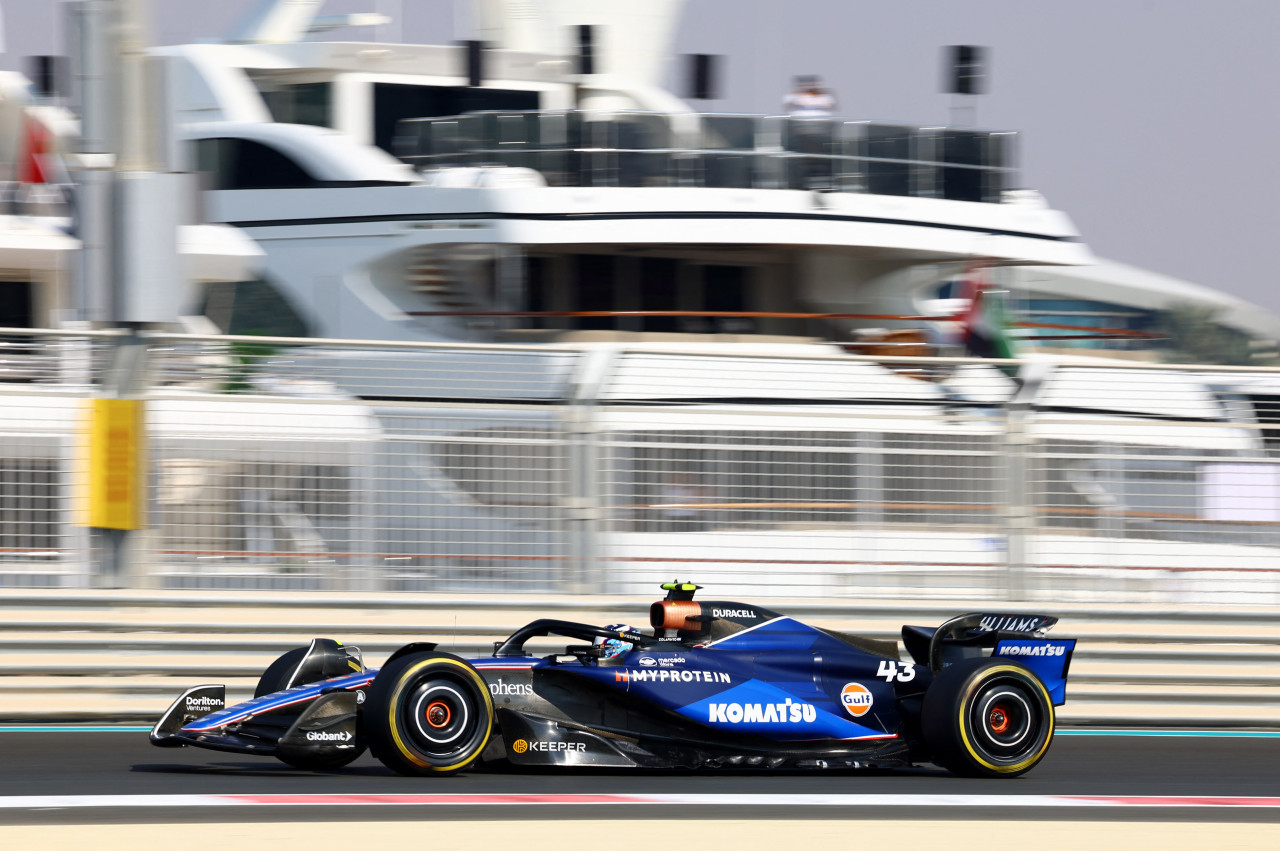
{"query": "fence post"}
(363, 573)
(869, 514)
(585, 507)
(1016, 512)
(1019, 517)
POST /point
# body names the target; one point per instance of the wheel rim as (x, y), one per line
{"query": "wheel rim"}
(998, 718)
(438, 715)
(1006, 722)
(442, 717)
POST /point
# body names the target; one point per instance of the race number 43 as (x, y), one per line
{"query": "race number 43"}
(900, 671)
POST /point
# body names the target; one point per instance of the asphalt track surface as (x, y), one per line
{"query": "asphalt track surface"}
(73, 763)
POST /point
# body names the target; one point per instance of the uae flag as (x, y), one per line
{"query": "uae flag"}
(33, 163)
(983, 322)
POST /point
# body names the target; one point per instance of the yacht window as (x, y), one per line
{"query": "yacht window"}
(16, 309)
(659, 290)
(595, 290)
(246, 164)
(605, 282)
(537, 286)
(1081, 313)
(394, 102)
(725, 290)
(252, 307)
(302, 103)
(1266, 409)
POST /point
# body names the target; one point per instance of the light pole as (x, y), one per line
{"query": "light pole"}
(130, 203)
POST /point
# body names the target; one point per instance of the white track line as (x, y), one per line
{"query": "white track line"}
(748, 800)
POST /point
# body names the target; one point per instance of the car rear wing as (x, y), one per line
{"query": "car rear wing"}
(970, 635)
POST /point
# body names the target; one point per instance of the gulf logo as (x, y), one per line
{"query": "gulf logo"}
(856, 698)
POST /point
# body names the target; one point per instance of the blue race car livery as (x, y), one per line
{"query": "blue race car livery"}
(714, 684)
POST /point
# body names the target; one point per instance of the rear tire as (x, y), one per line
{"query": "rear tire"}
(987, 718)
(428, 714)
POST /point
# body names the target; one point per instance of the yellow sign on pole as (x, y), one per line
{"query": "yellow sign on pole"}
(116, 464)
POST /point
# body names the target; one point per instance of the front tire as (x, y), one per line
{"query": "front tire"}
(428, 714)
(987, 718)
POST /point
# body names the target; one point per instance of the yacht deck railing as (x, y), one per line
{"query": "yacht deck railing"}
(639, 149)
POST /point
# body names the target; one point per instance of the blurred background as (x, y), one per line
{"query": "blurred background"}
(1149, 122)
(298, 324)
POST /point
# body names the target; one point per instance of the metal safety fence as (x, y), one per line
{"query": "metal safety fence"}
(307, 464)
(44, 379)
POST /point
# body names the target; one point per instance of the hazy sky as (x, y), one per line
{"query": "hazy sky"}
(1152, 123)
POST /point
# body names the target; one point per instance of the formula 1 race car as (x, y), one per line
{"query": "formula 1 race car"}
(717, 685)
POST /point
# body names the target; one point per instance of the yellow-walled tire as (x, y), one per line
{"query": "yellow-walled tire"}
(987, 718)
(427, 714)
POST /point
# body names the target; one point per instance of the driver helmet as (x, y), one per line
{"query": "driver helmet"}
(615, 647)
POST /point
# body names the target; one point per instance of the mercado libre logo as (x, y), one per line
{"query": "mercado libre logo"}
(856, 699)
(520, 746)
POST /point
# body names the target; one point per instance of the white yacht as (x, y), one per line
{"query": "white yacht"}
(395, 201)
(398, 199)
